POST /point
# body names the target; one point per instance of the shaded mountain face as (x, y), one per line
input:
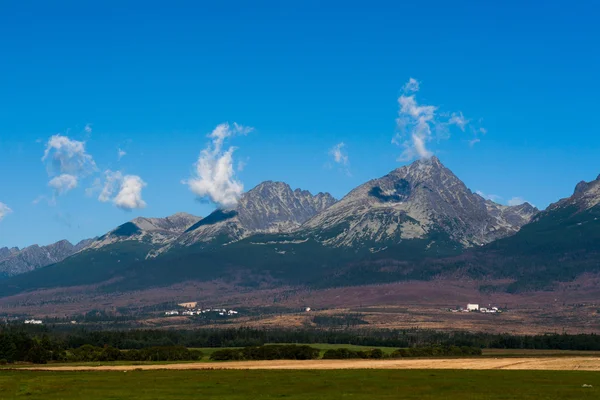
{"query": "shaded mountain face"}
(270, 207)
(14, 261)
(414, 202)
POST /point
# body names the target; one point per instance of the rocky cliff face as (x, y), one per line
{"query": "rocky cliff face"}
(14, 261)
(271, 207)
(6, 252)
(413, 202)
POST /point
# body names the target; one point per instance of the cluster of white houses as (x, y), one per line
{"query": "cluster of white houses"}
(475, 308)
(33, 322)
(219, 311)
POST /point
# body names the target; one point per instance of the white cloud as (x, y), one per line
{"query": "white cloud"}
(63, 183)
(492, 197)
(419, 124)
(130, 193)
(4, 211)
(112, 180)
(88, 128)
(128, 189)
(414, 124)
(516, 201)
(214, 176)
(121, 153)
(66, 156)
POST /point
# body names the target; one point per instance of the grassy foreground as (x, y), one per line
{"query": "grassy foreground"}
(355, 384)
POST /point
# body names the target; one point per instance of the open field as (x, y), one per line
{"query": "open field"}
(483, 363)
(305, 385)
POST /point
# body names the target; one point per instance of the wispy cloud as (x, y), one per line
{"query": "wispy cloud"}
(492, 197)
(121, 153)
(339, 154)
(459, 120)
(112, 180)
(4, 211)
(473, 142)
(88, 128)
(63, 183)
(214, 176)
(516, 201)
(340, 157)
(418, 124)
(412, 85)
(66, 162)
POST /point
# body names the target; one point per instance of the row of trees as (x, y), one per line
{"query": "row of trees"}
(35, 344)
(170, 353)
(270, 352)
(437, 351)
(244, 337)
(347, 354)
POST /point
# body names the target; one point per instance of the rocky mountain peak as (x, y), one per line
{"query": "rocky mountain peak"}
(410, 203)
(585, 196)
(267, 208)
(274, 206)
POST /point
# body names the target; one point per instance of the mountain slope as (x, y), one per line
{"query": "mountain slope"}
(415, 202)
(559, 244)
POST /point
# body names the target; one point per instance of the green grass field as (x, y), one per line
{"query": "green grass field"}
(322, 385)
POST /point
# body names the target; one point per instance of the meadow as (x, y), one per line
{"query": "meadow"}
(300, 384)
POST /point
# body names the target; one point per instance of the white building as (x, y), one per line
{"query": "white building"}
(472, 307)
(33, 321)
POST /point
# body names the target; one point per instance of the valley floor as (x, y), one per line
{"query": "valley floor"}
(573, 307)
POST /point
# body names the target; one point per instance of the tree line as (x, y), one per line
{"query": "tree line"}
(42, 344)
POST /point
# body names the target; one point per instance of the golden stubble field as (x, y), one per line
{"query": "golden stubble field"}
(524, 363)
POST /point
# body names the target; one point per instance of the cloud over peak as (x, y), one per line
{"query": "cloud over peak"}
(214, 175)
(418, 124)
(130, 193)
(128, 189)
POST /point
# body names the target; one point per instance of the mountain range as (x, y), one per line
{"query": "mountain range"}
(15, 261)
(418, 222)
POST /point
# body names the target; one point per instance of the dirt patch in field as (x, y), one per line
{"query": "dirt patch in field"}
(542, 363)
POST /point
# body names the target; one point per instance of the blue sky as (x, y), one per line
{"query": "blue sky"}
(155, 81)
